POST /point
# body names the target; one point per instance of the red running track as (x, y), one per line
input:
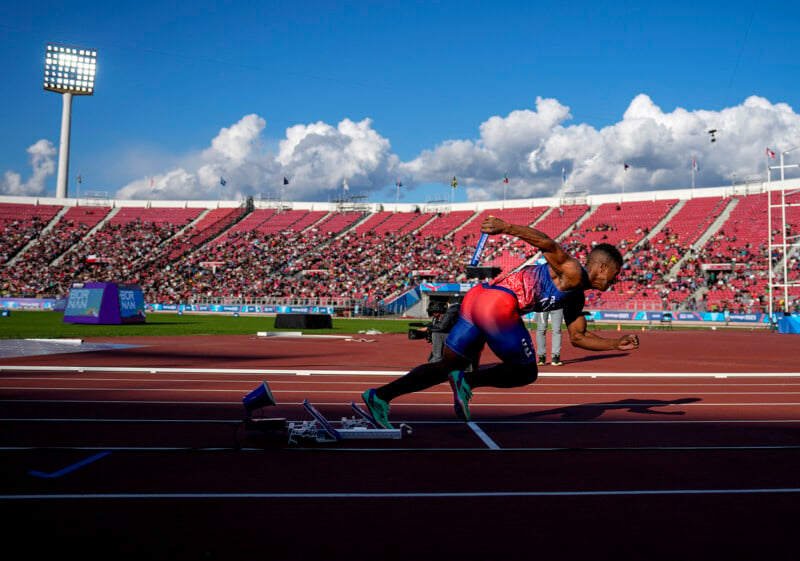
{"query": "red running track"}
(685, 449)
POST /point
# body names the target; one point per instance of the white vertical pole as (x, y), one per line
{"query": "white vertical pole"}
(63, 150)
(783, 236)
(770, 272)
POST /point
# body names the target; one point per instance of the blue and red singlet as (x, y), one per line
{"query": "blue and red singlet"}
(492, 314)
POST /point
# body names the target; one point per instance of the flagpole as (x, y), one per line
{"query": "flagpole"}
(622, 195)
(222, 184)
(693, 166)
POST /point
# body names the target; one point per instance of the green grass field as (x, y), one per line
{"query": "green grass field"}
(24, 325)
(47, 325)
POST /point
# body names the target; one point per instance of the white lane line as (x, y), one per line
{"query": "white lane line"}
(416, 422)
(544, 406)
(483, 436)
(410, 495)
(306, 372)
(301, 448)
(279, 384)
(539, 388)
(161, 370)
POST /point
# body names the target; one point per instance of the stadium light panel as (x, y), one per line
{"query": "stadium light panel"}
(69, 69)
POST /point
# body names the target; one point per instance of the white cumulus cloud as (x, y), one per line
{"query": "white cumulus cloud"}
(42, 159)
(532, 146)
(315, 159)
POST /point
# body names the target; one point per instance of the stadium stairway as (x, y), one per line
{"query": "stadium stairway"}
(50, 225)
(89, 234)
(704, 237)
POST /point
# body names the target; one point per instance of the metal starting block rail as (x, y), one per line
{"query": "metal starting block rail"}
(361, 426)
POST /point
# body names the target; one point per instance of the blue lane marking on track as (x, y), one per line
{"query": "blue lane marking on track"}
(69, 469)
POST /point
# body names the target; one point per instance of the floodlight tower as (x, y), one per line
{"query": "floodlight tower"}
(69, 71)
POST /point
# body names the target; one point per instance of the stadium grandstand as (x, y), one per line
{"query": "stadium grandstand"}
(711, 249)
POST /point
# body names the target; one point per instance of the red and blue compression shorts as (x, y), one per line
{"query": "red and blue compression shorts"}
(490, 315)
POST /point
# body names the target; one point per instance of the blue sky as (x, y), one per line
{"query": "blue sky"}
(319, 92)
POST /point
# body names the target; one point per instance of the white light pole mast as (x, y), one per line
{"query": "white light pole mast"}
(68, 71)
(63, 147)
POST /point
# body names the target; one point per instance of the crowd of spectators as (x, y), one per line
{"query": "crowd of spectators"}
(308, 264)
(65, 255)
(26, 276)
(16, 234)
(726, 273)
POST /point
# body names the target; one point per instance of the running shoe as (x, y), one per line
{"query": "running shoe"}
(461, 393)
(556, 361)
(378, 408)
(542, 361)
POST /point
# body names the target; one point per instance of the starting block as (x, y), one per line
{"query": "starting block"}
(361, 426)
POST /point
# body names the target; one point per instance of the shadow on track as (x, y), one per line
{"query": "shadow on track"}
(587, 411)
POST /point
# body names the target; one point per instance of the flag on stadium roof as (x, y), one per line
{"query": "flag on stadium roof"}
(627, 167)
(505, 177)
(285, 181)
(694, 164)
(770, 153)
(346, 186)
(399, 183)
(222, 181)
(454, 183)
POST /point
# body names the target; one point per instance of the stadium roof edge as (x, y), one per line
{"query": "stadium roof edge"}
(587, 198)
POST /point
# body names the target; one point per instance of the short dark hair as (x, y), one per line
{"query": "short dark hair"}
(605, 252)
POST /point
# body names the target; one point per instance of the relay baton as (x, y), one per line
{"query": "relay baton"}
(479, 250)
